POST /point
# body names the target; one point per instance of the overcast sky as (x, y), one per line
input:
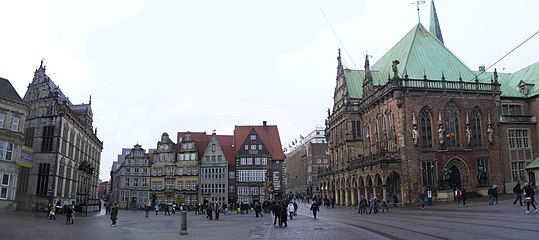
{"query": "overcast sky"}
(169, 66)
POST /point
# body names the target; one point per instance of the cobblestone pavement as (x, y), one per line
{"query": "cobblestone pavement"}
(441, 221)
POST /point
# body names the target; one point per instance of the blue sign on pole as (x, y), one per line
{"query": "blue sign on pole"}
(51, 191)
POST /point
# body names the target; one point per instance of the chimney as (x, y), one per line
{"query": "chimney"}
(264, 123)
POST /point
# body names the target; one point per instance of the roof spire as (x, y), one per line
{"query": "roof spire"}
(434, 27)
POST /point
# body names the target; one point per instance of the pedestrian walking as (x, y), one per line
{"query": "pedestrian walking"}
(385, 206)
(69, 214)
(422, 197)
(156, 208)
(146, 210)
(53, 213)
(490, 193)
(458, 196)
(314, 209)
(209, 211)
(291, 210)
(276, 213)
(217, 210)
(173, 208)
(518, 194)
(295, 208)
(114, 214)
(362, 205)
(529, 194)
(283, 217)
(464, 196)
(167, 209)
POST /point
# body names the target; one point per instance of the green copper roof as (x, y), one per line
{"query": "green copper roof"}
(354, 82)
(420, 53)
(529, 75)
(534, 164)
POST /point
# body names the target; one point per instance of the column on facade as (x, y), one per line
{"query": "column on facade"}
(346, 196)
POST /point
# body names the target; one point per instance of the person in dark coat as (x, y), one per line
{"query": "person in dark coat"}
(529, 194)
(114, 214)
(276, 213)
(283, 215)
(463, 196)
(314, 209)
(518, 193)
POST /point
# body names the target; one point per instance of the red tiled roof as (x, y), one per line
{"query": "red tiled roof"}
(227, 145)
(269, 135)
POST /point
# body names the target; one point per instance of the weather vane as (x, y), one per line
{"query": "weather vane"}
(417, 3)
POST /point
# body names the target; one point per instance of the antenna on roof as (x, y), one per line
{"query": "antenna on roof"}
(417, 3)
(338, 39)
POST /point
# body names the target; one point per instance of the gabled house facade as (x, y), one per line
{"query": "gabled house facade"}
(259, 163)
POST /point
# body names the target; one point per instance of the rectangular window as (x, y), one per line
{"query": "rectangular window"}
(242, 161)
(135, 182)
(253, 147)
(144, 182)
(48, 135)
(170, 171)
(2, 119)
(213, 147)
(187, 185)
(188, 171)
(29, 137)
(15, 124)
(264, 161)
(193, 156)
(253, 137)
(518, 138)
(6, 151)
(127, 182)
(259, 146)
(219, 157)
(257, 161)
(207, 158)
(180, 171)
(428, 172)
(356, 130)
(249, 161)
(180, 185)
(169, 184)
(246, 147)
(512, 109)
(518, 172)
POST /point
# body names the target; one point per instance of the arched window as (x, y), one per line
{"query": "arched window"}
(475, 126)
(451, 119)
(425, 126)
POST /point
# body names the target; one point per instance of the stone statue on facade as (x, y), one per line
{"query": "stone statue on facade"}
(481, 175)
(468, 134)
(415, 135)
(441, 133)
(490, 132)
(395, 69)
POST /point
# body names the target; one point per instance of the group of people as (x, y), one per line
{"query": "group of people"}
(529, 194)
(373, 204)
(67, 209)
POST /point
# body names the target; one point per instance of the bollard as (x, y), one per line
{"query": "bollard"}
(183, 222)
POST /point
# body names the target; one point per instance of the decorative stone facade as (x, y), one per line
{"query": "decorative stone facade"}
(66, 150)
